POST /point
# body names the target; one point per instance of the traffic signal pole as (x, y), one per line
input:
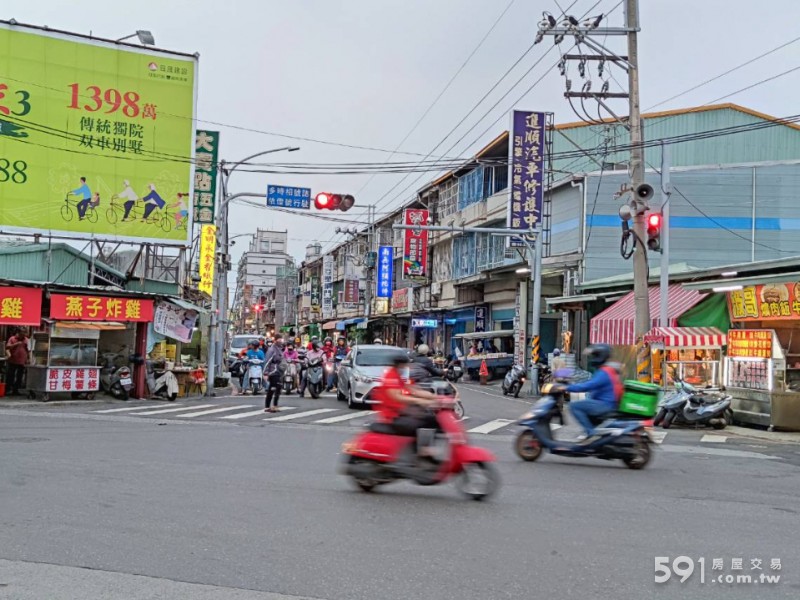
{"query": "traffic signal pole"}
(666, 190)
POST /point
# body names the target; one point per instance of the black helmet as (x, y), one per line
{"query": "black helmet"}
(598, 354)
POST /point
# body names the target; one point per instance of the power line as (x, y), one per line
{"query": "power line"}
(768, 79)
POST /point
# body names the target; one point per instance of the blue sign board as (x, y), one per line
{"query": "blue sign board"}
(280, 196)
(526, 156)
(385, 264)
(425, 323)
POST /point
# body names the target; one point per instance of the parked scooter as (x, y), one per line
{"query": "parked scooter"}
(315, 377)
(454, 371)
(116, 378)
(166, 386)
(617, 436)
(514, 380)
(383, 454)
(692, 406)
(254, 378)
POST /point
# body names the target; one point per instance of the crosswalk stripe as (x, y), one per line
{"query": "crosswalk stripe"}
(213, 411)
(491, 426)
(347, 417)
(308, 413)
(132, 408)
(254, 413)
(714, 439)
(658, 436)
(172, 410)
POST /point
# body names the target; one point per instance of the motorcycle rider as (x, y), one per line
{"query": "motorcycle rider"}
(254, 351)
(422, 367)
(314, 353)
(292, 357)
(311, 343)
(302, 364)
(328, 350)
(604, 388)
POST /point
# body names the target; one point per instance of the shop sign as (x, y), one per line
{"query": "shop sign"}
(753, 343)
(526, 192)
(316, 294)
(73, 380)
(749, 374)
(351, 295)
(20, 306)
(174, 322)
(381, 306)
(415, 244)
(480, 318)
(327, 286)
(403, 300)
(206, 150)
(425, 323)
(774, 302)
(208, 246)
(66, 307)
(385, 266)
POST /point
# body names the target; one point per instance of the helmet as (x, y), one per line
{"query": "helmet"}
(377, 341)
(341, 340)
(315, 338)
(290, 346)
(598, 354)
(328, 340)
(556, 352)
(423, 350)
(261, 338)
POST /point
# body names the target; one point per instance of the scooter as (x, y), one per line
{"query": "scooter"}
(617, 436)
(315, 377)
(289, 377)
(454, 371)
(330, 375)
(115, 379)
(254, 379)
(166, 386)
(690, 406)
(514, 380)
(445, 389)
(382, 455)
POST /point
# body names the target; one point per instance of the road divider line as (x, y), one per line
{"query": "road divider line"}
(254, 413)
(308, 413)
(172, 410)
(491, 426)
(347, 417)
(714, 439)
(202, 413)
(132, 408)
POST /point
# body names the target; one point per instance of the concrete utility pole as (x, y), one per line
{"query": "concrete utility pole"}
(666, 190)
(640, 283)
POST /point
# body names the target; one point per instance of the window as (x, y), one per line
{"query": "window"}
(494, 180)
(448, 199)
(464, 252)
(470, 188)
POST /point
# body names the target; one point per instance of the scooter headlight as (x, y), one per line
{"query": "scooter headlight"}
(526, 416)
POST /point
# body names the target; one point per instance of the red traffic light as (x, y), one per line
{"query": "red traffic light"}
(329, 201)
(257, 307)
(654, 221)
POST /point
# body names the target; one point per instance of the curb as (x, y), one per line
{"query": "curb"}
(784, 437)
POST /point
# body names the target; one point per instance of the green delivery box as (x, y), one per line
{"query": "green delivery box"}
(640, 398)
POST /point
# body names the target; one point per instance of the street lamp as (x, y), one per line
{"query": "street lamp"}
(145, 37)
(219, 297)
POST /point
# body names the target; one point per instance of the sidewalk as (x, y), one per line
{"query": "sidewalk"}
(785, 437)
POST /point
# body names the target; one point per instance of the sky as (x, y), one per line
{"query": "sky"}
(363, 72)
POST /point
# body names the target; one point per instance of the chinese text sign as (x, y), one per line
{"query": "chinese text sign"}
(208, 245)
(327, 286)
(385, 267)
(779, 301)
(206, 153)
(68, 307)
(750, 343)
(415, 244)
(288, 197)
(74, 379)
(20, 306)
(526, 158)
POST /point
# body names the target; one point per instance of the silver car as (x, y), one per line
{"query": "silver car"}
(361, 370)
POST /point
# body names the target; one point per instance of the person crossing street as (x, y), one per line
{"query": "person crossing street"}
(274, 365)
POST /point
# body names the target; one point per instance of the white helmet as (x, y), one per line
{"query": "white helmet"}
(423, 350)
(377, 341)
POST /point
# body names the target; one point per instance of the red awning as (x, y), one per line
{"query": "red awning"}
(615, 324)
(686, 337)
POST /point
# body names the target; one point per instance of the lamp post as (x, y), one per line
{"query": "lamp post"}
(145, 37)
(219, 292)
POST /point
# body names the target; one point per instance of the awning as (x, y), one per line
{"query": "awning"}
(186, 305)
(615, 325)
(329, 325)
(342, 324)
(686, 337)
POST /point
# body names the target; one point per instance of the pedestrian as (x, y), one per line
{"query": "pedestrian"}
(17, 357)
(274, 365)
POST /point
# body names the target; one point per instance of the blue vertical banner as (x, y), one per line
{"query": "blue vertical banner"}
(385, 265)
(480, 318)
(526, 158)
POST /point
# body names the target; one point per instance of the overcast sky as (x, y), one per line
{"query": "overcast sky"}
(362, 72)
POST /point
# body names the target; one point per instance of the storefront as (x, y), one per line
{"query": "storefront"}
(425, 330)
(690, 354)
(402, 307)
(20, 308)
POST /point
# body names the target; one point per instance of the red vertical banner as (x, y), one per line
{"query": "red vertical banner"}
(415, 244)
(351, 295)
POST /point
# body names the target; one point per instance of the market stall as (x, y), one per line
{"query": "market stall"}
(691, 354)
(20, 307)
(494, 347)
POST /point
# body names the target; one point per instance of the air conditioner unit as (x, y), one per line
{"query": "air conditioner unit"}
(436, 288)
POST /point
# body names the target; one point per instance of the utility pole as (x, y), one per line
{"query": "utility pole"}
(666, 190)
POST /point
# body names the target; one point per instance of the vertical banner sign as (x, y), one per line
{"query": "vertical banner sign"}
(208, 245)
(385, 266)
(96, 137)
(527, 171)
(316, 294)
(519, 334)
(206, 153)
(351, 295)
(480, 318)
(327, 286)
(415, 244)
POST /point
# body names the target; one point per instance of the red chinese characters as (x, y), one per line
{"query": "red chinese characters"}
(415, 248)
(67, 307)
(72, 380)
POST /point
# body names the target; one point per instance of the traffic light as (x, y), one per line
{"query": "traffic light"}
(329, 201)
(257, 308)
(654, 222)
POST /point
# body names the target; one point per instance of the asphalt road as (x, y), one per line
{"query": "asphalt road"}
(118, 507)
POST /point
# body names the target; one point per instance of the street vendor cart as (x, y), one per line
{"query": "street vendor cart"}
(494, 347)
(64, 362)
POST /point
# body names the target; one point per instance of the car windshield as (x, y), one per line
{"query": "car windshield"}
(240, 341)
(373, 357)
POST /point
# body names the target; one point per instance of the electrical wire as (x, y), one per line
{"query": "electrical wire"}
(749, 87)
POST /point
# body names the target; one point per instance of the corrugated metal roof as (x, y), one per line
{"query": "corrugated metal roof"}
(65, 264)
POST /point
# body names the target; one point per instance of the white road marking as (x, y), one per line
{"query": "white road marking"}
(308, 413)
(202, 413)
(714, 439)
(658, 436)
(347, 417)
(172, 410)
(491, 426)
(254, 413)
(131, 408)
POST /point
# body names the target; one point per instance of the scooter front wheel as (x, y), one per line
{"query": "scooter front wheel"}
(478, 481)
(458, 409)
(667, 422)
(659, 417)
(517, 387)
(314, 390)
(528, 447)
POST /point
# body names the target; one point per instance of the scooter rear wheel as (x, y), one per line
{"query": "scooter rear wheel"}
(642, 457)
(527, 446)
(516, 388)
(478, 481)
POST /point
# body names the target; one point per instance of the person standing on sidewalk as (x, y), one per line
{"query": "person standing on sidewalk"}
(17, 352)
(274, 365)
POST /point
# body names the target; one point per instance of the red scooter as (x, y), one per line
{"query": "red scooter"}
(374, 457)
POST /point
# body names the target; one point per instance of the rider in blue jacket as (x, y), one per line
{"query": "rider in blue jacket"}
(604, 389)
